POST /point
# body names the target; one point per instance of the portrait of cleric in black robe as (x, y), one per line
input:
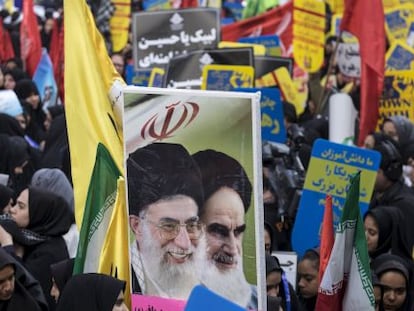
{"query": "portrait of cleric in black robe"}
(187, 216)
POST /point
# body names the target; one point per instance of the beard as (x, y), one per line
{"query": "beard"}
(230, 284)
(166, 279)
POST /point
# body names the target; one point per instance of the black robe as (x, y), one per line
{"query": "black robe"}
(51, 217)
(26, 295)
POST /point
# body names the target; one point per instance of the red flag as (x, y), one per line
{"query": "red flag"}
(277, 21)
(327, 236)
(30, 43)
(369, 29)
(188, 4)
(57, 55)
(6, 47)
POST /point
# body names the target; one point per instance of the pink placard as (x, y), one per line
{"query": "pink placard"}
(153, 303)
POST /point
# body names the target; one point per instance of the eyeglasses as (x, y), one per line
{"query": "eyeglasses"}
(170, 228)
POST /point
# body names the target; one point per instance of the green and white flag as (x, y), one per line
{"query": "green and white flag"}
(346, 284)
(99, 206)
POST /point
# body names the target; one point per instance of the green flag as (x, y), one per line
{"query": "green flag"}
(99, 206)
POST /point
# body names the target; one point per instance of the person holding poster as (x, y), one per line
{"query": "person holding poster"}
(227, 191)
(164, 196)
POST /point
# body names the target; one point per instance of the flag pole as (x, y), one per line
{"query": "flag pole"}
(321, 104)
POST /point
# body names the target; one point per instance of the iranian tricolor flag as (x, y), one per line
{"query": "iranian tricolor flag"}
(346, 283)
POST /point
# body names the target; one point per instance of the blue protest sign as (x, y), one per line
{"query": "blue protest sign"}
(138, 77)
(45, 81)
(329, 172)
(271, 110)
(271, 42)
(202, 299)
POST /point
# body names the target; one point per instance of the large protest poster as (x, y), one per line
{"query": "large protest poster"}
(185, 72)
(159, 36)
(329, 172)
(227, 122)
(398, 95)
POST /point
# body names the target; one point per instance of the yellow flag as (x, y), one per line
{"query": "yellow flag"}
(89, 75)
(119, 23)
(114, 254)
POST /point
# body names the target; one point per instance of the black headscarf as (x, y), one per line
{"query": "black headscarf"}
(49, 214)
(35, 129)
(61, 272)
(20, 152)
(25, 88)
(6, 194)
(17, 74)
(90, 292)
(56, 143)
(390, 262)
(272, 264)
(21, 298)
(392, 237)
(405, 130)
(10, 126)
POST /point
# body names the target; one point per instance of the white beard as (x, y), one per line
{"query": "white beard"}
(231, 284)
(165, 279)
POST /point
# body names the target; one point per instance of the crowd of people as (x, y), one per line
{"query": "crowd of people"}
(39, 236)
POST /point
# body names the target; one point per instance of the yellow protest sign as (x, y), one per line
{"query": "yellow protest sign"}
(337, 6)
(227, 77)
(308, 34)
(389, 4)
(156, 77)
(258, 49)
(398, 95)
(399, 56)
(119, 24)
(398, 21)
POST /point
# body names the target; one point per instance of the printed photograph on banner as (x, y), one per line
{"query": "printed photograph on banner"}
(192, 189)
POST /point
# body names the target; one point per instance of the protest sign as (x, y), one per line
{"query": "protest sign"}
(161, 35)
(185, 72)
(308, 34)
(193, 122)
(329, 172)
(227, 78)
